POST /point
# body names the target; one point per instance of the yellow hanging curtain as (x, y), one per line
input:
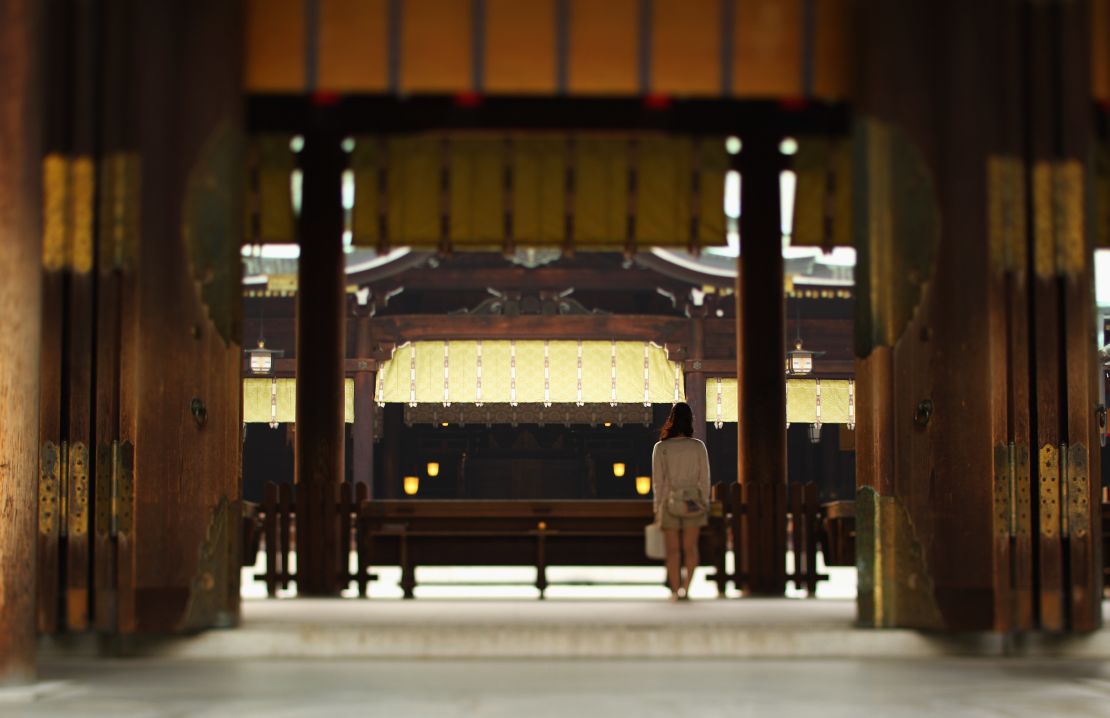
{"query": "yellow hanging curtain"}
(837, 401)
(489, 191)
(259, 397)
(529, 372)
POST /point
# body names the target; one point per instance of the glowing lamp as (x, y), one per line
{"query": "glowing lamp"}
(262, 359)
(433, 469)
(411, 485)
(799, 361)
(618, 470)
(643, 485)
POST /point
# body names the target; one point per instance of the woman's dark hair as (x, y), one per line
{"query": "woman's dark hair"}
(679, 423)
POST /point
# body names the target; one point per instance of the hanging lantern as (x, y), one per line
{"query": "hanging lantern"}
(411, 485)
(261, 358)
(618, 470)
(643, 485)
(799, 362)
(433, 469)
(815, 433)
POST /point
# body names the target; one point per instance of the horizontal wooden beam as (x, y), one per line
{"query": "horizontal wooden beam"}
(620, 327)
(509, 278)
(823, 368)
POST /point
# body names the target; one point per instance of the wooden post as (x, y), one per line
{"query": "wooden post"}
(759, 352)
(975, 320)
(695, 378)
(363, 428)
(20, 325)
(320, 354)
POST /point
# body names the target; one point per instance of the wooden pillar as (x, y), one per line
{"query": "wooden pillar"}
(976, 373)
(695, 377)
(20, 321)
(363, 429)
(321, 326)
(760, 368)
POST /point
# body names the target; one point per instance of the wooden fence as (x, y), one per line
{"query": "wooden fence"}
(758, 523)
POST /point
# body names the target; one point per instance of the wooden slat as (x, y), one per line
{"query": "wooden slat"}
(1046, 365)
(1080, 391)
(270, 532)
(20, 307)
(811, 509)
(287, 507)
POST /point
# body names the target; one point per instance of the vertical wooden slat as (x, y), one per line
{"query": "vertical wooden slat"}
(811, 509)
(362, 454)
(270, 533)
(20, 318)
(343, 546)
(695, 379)
(736, 529)
(1075, 252)
(362, 493)
(797, 533)
(287, 508)
(1045, 352)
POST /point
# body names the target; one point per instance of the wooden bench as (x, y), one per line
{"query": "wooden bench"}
(411, 533)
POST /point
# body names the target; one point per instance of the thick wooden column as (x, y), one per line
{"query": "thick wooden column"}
(20, 321)
(321, 326)
(363, 428)
(977, 508)
(695, 377)
(760, 368)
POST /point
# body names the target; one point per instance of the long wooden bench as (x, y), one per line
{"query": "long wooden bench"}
(517, 533)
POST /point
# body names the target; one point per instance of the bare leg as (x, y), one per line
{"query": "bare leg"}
(690, 553)
(673, 543)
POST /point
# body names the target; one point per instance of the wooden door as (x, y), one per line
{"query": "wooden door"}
(141, 392)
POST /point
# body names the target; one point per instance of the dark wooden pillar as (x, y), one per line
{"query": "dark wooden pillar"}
(321, 326)
(20, 320)
(363, 429)
(977, 509)
(695, 377)
(760, 368)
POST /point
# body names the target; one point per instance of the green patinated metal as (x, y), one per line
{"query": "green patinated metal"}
(213, 229)
(895, 585)
(897, 231)
(212, 602)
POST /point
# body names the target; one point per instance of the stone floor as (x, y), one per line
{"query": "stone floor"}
(576, 658)
(578, 688)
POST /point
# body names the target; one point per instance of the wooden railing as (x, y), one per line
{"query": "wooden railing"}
(765, 520)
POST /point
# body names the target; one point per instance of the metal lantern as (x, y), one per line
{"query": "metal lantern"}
(815, 433)
(262, 359)
(799, 362)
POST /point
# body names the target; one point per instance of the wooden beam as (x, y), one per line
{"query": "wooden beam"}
(621, 327)
(363, 428)
(824, 369)
(450, 279)
(20, 324)
(321, 323)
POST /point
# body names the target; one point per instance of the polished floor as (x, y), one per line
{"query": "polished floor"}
(577, 688)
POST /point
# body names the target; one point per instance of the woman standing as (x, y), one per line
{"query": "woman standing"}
(680, 483)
